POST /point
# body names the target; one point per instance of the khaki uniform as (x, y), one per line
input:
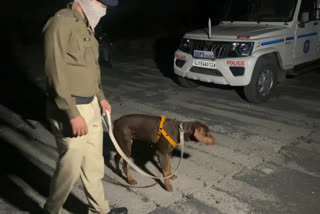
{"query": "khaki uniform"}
(71, 60)
(71, 65)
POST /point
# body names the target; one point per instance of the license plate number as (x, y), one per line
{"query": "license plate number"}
(203, 54)
(204, 64)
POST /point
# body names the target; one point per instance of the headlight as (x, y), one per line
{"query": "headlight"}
(186, 45)
(240, 49)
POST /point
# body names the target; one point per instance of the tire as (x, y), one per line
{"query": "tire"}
(263, 81)
(187, 83)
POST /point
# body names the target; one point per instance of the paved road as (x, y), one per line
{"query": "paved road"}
(267, 157)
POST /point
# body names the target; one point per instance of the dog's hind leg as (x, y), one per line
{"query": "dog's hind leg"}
(164, 164)
(125, 142)
(130, 179)
(125, 166)
(117, 159)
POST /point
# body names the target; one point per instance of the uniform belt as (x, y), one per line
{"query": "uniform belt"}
(83, 100)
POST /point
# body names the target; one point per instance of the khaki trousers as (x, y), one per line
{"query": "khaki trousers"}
(78, 157)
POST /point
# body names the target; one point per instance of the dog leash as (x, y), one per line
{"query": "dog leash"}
(108, 126)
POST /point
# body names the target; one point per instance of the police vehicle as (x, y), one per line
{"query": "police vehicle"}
(255, 46)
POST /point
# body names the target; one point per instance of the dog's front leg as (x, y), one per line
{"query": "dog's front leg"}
(169, 160)
(164, 164)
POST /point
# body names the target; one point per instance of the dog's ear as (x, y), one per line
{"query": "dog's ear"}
(204, 136)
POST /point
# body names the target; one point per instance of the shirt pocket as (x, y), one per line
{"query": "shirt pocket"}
(90, 49)
(75, 51)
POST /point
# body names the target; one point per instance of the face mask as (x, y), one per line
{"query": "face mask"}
(93, 12)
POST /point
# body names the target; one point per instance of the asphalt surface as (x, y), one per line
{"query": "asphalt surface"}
(267, 157)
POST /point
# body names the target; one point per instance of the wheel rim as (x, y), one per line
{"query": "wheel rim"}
(265, 82)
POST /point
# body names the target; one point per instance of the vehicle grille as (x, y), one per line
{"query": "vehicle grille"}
(207, 71)
(220, 49)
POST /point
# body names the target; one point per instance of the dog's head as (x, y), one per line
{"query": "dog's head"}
(202, 133)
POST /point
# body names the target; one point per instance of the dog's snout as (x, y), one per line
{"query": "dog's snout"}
(211, 141)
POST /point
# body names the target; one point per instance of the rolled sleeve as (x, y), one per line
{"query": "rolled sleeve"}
(100, 94)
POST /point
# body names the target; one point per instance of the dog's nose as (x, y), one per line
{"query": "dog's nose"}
(211, 141)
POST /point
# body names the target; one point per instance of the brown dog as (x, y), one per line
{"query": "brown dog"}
(145, 128)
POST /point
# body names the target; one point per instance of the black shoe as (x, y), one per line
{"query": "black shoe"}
(120, 210)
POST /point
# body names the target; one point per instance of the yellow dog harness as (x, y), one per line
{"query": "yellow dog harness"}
(161, 131)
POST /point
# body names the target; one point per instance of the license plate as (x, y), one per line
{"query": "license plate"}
(204, 64)
(203, 54)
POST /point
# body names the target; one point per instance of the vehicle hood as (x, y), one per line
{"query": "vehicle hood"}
(232, 31)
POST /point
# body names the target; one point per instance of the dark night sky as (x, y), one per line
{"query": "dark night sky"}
(132, 18)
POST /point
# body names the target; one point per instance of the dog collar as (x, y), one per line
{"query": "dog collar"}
(161, 131)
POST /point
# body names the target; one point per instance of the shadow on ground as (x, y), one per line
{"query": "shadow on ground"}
(19, 92)
(17, 171)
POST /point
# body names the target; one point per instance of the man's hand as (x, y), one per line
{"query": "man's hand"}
(79, 126)
(105, 106)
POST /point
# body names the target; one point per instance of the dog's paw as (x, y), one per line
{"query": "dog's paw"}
(132, 182)
(173, 177)
(169, 188)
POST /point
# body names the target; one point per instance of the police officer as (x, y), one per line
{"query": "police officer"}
(75, 103)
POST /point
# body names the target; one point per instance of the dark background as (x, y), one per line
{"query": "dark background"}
(23, 20)
(163, 21)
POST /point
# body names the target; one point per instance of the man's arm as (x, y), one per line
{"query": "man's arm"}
(104, 104)
(56, 35)
(100, 94)
(56, 41)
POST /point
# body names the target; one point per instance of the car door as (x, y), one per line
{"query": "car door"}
(307, 35)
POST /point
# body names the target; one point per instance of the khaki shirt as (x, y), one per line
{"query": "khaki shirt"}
(71, 60)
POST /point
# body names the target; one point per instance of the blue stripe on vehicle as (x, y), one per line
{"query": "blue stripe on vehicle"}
(307, 34)
(289, 38)
(272, 42)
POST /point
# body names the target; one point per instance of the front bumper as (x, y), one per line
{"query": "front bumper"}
(223, 74)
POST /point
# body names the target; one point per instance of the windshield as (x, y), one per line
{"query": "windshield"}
(260, 10)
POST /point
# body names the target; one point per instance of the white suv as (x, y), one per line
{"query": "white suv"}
(255, 46)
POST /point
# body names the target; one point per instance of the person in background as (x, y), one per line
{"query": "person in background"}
(76, 101)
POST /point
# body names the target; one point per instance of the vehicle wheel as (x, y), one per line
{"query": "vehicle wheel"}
(263, 80)
(187, 83)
